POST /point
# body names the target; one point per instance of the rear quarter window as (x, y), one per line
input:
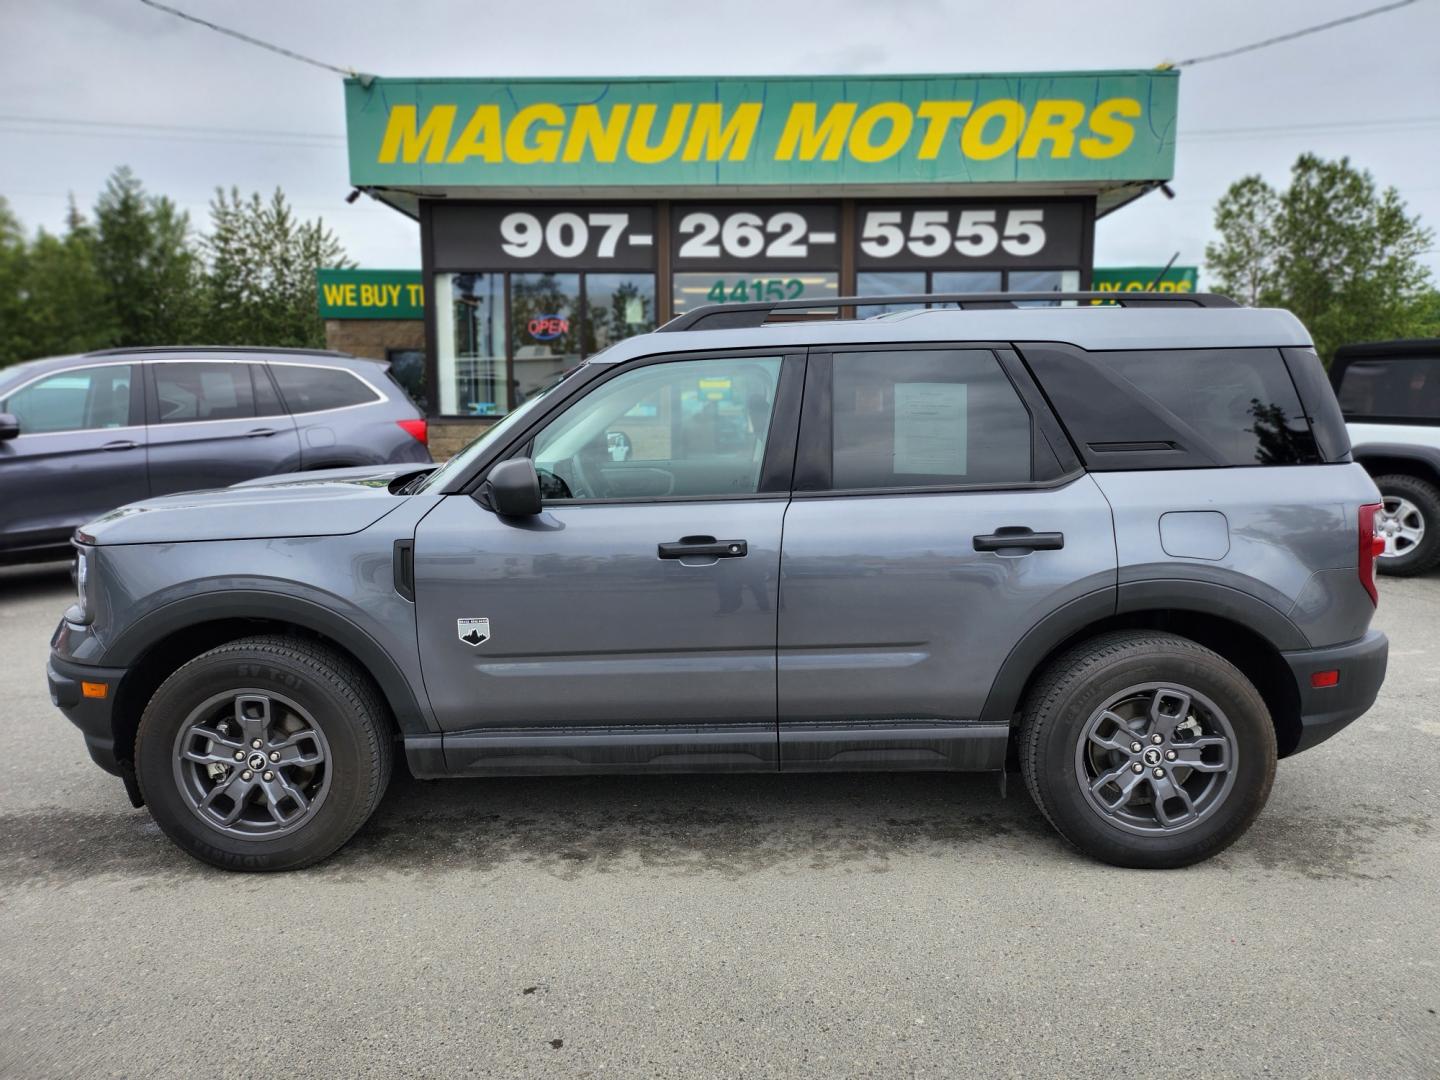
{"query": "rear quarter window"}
(1241, 401)
(314, 389)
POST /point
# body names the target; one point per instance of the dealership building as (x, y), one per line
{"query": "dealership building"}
(557, 216)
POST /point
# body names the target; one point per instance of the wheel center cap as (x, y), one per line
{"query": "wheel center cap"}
(257, 760)
(1152, 756)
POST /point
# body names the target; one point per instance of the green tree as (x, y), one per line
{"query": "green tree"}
(144, 256)
(1341, 255)
(70, 308)
(260, 264)
(13, 258)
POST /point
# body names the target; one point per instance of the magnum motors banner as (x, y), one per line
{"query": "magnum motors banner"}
(889, 130)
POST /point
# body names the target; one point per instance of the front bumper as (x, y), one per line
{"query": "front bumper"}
(1324, 710)
(91, 715)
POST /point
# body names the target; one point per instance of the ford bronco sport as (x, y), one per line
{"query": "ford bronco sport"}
(1121, 546)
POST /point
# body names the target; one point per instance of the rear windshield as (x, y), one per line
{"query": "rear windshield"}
(1241, 401)
(1398, 387)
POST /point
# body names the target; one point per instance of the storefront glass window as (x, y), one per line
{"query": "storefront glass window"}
(735, 287)
(965, 281)
(1044, 281)
(887, 283)
(544, 326)
(470, 336)
(617, 306)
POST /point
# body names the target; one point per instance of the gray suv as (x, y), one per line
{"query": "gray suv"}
(1121, 547)
(80, 435)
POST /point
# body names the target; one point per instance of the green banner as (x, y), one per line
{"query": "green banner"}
(370, 294)
(886, 130)
(1144, 279)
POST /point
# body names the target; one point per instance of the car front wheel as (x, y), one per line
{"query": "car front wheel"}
(1145, 749)
(266, 753)
(1409, 523)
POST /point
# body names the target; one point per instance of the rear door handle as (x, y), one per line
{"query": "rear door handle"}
(120, 444)
(260, 433)
(704, 547)
(1018, 538)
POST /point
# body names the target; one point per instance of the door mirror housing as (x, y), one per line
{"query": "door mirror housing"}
(9, 425)
(513, 488)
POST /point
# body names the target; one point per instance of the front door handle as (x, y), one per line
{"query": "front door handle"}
(120, 444)
(704, 547)
(260, 433)
(1020, 540)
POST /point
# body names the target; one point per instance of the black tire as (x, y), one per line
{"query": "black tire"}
(1052, 739)
(1425, 498)
(341, 702)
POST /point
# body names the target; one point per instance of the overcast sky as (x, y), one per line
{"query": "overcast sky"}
(1370, 90)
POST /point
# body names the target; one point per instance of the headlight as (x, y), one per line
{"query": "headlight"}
(82, 574)
(80, 611)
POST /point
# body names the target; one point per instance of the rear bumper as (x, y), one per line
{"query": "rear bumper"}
(91, 715)
(1325, 710)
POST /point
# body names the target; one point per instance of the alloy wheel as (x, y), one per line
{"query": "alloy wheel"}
(1156, 758)
(252, 764)
(1401, 525)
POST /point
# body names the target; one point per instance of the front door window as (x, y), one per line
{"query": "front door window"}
(687, 428)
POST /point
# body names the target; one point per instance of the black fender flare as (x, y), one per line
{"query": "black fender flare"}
(138, 638)
(1165, 594)
(1429, 456)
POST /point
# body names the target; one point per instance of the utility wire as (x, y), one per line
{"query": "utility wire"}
(366, 79)
(1281, 38)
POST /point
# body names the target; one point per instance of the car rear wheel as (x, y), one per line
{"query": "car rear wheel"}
(266, 753)
(1409, 523)
(1145, 749)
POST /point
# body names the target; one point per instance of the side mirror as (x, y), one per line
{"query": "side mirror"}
(513, 488)
(9, 425)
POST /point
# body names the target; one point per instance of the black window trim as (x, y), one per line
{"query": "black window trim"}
(814, 456)
(776, 469)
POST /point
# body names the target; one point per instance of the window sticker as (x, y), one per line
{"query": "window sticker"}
(931, 428)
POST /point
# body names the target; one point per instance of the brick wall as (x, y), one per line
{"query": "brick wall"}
(448, 436)
(371, 337)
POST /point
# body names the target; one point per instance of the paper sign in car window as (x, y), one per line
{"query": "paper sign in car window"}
(931, 428)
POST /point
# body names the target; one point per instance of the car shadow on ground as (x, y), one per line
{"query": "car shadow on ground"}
(31, 580)
(682, 825)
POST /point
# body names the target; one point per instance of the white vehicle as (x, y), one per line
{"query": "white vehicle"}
(1389, 392)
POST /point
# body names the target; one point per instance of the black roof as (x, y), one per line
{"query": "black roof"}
(1401, 347)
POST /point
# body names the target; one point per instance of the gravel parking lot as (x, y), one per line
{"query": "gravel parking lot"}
(882, 926)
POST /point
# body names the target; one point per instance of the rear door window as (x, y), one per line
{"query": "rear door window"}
(926, 418)
(314, 389)
(190, 392)
(1401, 387)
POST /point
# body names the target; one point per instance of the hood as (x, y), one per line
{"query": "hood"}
(329, 503)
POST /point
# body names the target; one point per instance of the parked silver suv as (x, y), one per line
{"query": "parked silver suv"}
(80, 435)
(1121, 546)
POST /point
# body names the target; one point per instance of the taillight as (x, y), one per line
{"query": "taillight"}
(1372, 545)
(416, 429)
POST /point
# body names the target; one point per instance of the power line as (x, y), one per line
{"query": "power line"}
(256, 41)
(111, 125)
(1305, 31)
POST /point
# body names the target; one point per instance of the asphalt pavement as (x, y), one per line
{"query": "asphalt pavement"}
(828, 926)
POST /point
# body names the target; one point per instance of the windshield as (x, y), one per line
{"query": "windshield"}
(457, 465)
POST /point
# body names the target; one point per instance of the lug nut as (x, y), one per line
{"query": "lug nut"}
(274, 755)
(239, 755)
(255, 744)
(1156, 739)
(269, 776)
(1170, 755)
(246, 775)
(1138, 767)
(1135, 747)
(1159, 774)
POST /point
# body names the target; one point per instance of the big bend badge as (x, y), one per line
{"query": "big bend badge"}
(473, 631)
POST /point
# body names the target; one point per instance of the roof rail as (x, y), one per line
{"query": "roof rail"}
(130, 350)
(736, 316)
